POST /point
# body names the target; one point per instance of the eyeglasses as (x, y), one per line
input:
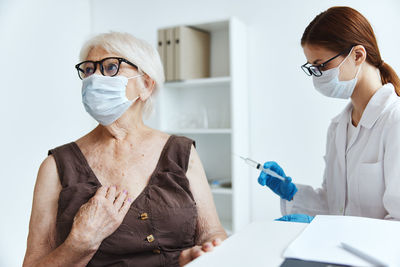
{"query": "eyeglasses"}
(316, 70)
(109, 66)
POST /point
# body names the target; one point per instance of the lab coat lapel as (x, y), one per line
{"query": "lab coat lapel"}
(340, 142)
(353, 138)
(341, 137)
(375, 107)
(379, 102)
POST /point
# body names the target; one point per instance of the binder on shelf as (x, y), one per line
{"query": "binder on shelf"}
(192, 53)
(169, 66)
(162, 48)
(185, 53)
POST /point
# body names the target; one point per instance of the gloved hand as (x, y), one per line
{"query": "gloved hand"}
(302, 218)
(285, 189)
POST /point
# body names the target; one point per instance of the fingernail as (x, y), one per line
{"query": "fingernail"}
(124, 191)
(130, 200)
(114, 186)
(207, 245)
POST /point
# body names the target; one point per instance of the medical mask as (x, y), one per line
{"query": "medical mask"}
(329, 85)
(104, 97)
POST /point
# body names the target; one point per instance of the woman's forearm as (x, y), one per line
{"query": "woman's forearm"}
(67, 254)
(212, 235)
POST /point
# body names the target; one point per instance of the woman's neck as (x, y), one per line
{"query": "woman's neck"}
(123, 131)
(369, 82)
(129, 127)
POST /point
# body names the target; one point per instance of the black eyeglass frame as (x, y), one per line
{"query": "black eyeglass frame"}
(100, 63)
(316, 70)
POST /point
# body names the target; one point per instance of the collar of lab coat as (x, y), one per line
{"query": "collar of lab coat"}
(376, 105)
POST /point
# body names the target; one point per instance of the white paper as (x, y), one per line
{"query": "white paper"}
(321, 240)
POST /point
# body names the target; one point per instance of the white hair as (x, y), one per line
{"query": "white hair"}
(135, 50)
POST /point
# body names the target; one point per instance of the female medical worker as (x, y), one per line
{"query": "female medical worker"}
(362, 172)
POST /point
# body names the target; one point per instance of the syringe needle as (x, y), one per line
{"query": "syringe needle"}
(260, 167)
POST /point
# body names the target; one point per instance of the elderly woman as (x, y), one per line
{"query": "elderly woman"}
(124, 194)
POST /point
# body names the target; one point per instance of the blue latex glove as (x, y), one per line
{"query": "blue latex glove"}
(285, 189)
(302, 218)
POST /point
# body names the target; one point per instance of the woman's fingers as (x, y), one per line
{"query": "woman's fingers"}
(216, 242)
(195, 252)
(125, 206)
(119, 201)
(190, 254)
(185, 257)
(111, 193)
(207, 247)
(102, 191)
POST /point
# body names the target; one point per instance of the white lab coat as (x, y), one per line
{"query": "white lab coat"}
(362, 179)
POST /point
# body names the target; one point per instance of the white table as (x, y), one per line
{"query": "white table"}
(258, 244)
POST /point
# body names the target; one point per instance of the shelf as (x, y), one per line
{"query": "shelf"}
(200, 131)
(213, 112)
(204, 82)
(221, 190)
(213, 26)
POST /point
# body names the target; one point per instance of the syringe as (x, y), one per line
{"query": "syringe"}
(260, 167)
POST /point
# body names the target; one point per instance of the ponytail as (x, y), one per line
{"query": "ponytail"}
(388, 75)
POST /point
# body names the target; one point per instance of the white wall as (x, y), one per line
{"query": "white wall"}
(40, 102)
(289, 119)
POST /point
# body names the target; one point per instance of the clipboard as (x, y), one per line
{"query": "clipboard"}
(301, 263)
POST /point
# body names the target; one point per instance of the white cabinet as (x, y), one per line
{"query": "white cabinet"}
(214, 112)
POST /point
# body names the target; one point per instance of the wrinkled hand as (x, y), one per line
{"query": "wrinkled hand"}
(100, 217)
(192, 253)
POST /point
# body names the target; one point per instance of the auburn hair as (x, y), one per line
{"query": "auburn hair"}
(339, 28)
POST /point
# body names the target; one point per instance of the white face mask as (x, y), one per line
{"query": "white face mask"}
(104, 97)
(328, 83)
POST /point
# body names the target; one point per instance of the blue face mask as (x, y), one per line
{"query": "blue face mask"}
(104, 97)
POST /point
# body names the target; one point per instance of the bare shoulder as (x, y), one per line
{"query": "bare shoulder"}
(158, 138)
(208, 225)
(48, 164)
(47, 175)
(160, 135)
(197, 177)
(47, 190)
(41, 237)
(195, 166)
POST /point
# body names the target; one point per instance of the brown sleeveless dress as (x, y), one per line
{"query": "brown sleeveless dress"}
(161, 221)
